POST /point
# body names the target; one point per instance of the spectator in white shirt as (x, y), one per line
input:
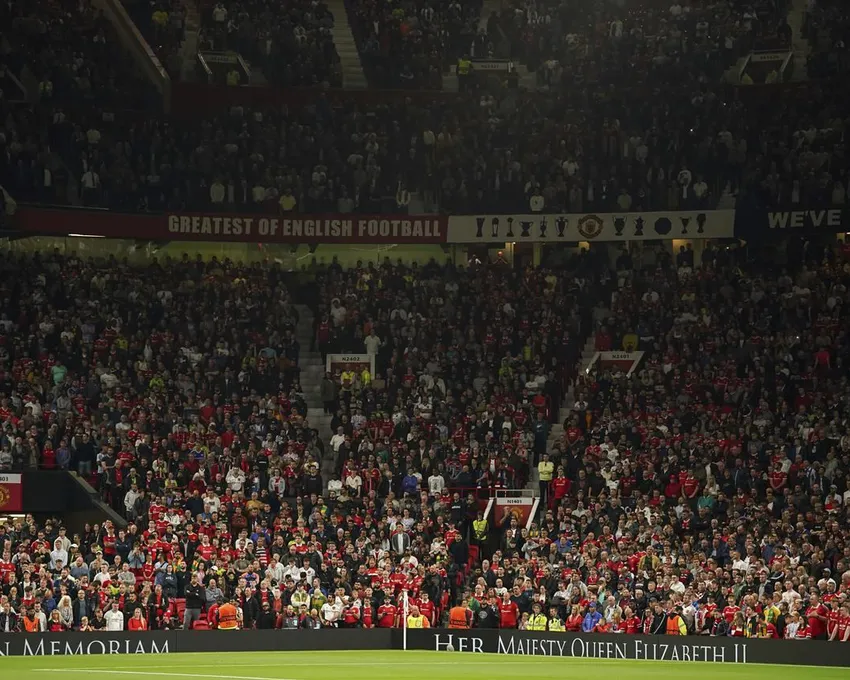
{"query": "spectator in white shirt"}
(436, 483)
(337, 439)
(331, 611)
(740, 564)
(537, 202)
(353, 482)
(338, 313)
(212, 500)
(276, 571)
(103, 575)
(114, 619)
(91, 184)
(235, 479)
(58, 556)
(372, 342)
(700, 189)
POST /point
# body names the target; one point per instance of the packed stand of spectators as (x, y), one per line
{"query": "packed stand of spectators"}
(84, 75)
(545, 153)
(411, 45)
(162, 24)
(75, 56)
(25, 165)
(706, 494)
(153, 383)
(715, 478)
(602, 150)
(827, 29)
(318, 159)
(580, 42)
(145, 357)
(796, 149)
(470, 366)
(292, 42)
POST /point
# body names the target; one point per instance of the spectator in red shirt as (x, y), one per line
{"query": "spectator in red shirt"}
(574, 620)
(426, 608)
(841, 632)
(387, 615)
(603, 340)
(816, 617)
(508, 612)
(137, 621)
(560, 486)
(631, 622)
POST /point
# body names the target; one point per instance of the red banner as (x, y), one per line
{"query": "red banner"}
(11, 493)
(235, 227)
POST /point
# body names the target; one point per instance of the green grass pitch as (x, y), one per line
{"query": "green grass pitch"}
(390, 665)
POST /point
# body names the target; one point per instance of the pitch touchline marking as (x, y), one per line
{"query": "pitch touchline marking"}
(270, 664)
(168, 675)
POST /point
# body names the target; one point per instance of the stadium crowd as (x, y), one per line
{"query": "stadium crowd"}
(411, 45)
(291, 41)
(707, 493)
(573, 150)
(827, 29)
(84, 78)
(481, 150)
(163, 25)
(798, 156)
(74, 55)
(576, 43)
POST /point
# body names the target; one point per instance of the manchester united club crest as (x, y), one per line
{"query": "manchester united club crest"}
(590, 226)
(5, 496)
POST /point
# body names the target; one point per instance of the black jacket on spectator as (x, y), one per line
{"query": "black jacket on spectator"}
(81, 608)
(195, 596)
(8, 622)
(488, 617)
(266, 620)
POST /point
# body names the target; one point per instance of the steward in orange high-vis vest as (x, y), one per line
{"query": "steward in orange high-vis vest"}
(675, 623)
(460, 617)
(228, 616)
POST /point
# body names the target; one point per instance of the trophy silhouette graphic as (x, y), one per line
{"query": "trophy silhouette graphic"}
(510, 227)
(494, 227)
(479, 227)
(619, 225)
(562, 223)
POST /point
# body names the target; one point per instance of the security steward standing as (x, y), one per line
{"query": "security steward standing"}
(464, 66)
(675, 623)
(460, 617)
(228, 616)
(480, 529)
(555, 623)
(233, 77)
(416, 620)
(537, 621)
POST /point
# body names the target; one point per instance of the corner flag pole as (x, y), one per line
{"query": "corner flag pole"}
(404, 623)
